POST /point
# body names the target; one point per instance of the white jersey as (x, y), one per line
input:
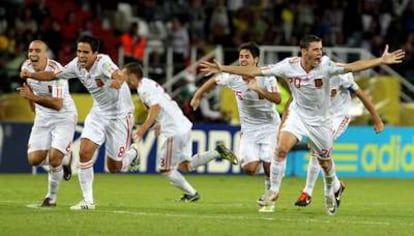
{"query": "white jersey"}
(341, 101)
(310, 91)
(253, 110)
(55, 88)
(171, 119)
(108, 102)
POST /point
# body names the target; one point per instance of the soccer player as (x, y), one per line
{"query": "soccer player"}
(55, 119)
(342, 88)
(308, 113)
(256, 99)
(174, 131)
(110, 119)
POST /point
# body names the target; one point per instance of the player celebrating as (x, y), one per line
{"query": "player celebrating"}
(174, 130)
(308, 113)
(256, 99)
(55, 119)
(342, 88)
(110, 119)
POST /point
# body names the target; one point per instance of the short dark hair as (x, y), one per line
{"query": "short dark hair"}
(307, 39)
(134, 68)
(252, 47)
(93, 42)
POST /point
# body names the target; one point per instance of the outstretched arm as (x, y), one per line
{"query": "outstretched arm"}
(40, 75)
(216, 67)
(205, 88)
(387, 58)
(378, 124)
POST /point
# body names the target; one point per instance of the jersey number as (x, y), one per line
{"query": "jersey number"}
(295, 81)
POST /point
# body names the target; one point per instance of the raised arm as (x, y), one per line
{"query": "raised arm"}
(216, 67)
(205, 88)
(387, 58)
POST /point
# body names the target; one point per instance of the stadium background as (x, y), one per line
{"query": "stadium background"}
(169, 37)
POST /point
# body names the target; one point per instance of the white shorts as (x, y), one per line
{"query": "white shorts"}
(258, 145)
(116, 133)
(56, 133)
(320, 137)
(174, 150)
(340, 124)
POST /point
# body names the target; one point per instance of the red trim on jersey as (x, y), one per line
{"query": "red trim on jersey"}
(54, 65)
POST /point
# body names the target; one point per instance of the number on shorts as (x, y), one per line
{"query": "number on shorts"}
(325, 153)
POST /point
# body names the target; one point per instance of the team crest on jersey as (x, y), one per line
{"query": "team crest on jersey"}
(99, 81)
(318, 83)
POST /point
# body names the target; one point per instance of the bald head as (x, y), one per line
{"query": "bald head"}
(37, 54)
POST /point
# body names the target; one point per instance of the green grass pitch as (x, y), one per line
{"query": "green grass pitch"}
(144, 205)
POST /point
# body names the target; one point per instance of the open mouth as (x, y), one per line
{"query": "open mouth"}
(317, 60)
(82, 62)
(34, 59)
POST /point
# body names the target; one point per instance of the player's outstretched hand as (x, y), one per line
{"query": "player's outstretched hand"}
(210, 68)
(394, 57)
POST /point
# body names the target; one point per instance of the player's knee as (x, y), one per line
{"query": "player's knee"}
(113, 166)
(35, 160)
(55, 161)
(55, 158)
(85, 155)
(281, 153)
(325, 162)
(184, 166)
(251, 168)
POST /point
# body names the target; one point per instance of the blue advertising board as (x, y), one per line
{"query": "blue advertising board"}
(359, 152)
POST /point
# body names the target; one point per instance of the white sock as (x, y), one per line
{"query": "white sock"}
(55, 175)
(277, 171)
(267, 183)
(128, 157)
(203, 158)
(85, 177)
(179, 181)
(312, 174)
(329, 179)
